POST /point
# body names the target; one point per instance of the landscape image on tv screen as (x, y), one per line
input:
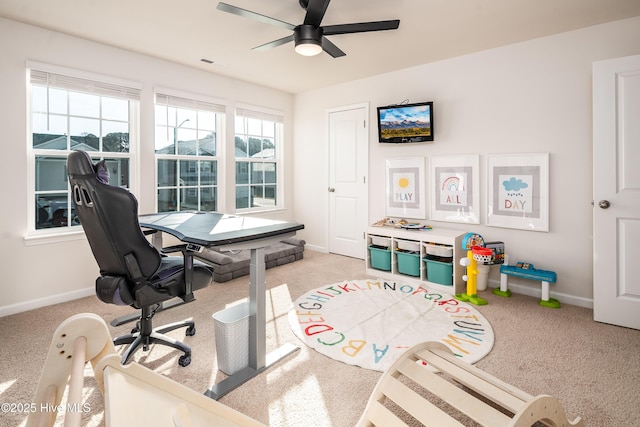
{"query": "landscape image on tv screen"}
(406, 123)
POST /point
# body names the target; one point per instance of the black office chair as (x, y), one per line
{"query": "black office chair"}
(132, 271)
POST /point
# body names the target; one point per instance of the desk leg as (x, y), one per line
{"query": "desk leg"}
(156, 240)
(257, 310)
(258, 359)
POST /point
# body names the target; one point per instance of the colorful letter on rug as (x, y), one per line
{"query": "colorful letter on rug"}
(370, 323)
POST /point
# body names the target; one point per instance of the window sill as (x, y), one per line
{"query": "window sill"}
(251, 211)
(59, 237)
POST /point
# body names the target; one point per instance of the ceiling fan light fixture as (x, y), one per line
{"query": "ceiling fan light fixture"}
(307, 40)
(308, 49)
(308, 37)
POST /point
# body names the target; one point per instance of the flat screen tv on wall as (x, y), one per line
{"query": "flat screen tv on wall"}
(405, 123)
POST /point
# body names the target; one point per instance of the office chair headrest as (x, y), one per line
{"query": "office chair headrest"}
(99, 169)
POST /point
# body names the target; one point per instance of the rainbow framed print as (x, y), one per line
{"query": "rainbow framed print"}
(405, 188)
(518, 191)
(454, 189)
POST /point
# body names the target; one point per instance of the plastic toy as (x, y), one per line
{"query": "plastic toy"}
(473, 244)
(497, 249)
(526, 270)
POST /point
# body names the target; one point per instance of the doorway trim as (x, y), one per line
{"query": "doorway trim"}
(367, 126)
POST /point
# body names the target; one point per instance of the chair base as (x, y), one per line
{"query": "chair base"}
(165, 305)
(143, 336)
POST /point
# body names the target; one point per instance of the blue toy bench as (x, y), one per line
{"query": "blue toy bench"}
(527, 271)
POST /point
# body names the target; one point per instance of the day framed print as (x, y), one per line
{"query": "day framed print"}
(518, 191)
(454, 190)
(405, 184)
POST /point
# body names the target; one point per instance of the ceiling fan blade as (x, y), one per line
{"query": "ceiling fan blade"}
(253, 15)
(331, 48)
(274, 43)
(315, 12)
(362, 27)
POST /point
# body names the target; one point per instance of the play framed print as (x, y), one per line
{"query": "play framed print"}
(454, 188)
(405, 185)
(518, 191)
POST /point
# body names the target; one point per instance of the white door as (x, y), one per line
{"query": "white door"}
(348, 165)
(616, 191)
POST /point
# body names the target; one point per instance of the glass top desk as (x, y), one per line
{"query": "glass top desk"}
(230, 232)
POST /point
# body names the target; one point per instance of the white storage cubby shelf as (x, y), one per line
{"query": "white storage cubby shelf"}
(409, 239)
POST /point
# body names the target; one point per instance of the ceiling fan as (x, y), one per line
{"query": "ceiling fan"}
(309, 37)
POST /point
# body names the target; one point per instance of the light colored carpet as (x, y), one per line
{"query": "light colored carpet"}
(593, 368)
(371, 322)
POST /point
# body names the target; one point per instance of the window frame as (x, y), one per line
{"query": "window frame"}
(86, 83)
(269, 115)
(196, 103)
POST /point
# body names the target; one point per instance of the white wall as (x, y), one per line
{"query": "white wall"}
(45, 271)
(528, 97)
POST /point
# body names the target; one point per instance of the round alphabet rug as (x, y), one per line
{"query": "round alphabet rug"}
(370, 323)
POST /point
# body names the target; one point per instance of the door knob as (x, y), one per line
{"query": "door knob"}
(332, 190)
(604, 204)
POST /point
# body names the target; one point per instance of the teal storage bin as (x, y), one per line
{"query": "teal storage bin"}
(408, 263)
(439, 272)
(380, 258)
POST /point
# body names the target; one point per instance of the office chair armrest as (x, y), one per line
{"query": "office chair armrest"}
(187, 253)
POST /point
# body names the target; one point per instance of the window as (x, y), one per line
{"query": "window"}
(258, 143)
(186, 153)
(76, 113)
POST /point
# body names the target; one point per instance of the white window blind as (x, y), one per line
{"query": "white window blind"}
(194, 104)
(256, 113)
(104, 88)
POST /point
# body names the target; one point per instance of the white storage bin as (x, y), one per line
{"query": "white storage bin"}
(231, 327)
(381, 241)
(438, 250)
(408, 245)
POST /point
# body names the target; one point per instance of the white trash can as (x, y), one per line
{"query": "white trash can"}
(231, 327)
(483, 277)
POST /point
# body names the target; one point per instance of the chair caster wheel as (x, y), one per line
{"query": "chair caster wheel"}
(184, 360)
(191, 331)
(135, 330)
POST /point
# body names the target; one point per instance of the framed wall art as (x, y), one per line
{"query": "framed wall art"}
(518, 191)
(405, 185)
(454, 190)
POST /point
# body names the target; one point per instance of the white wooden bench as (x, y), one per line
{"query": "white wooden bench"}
(412, 386)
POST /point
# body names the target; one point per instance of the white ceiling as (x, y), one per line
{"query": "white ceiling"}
(184, 31)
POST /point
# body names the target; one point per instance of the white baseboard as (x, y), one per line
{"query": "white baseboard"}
(316, 248)
(8, 310)
(531, 291)
(537, 292)
(81, 293)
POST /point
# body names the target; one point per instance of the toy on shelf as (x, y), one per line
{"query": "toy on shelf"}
(473, 243)
(526, 270)
(401, 223)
